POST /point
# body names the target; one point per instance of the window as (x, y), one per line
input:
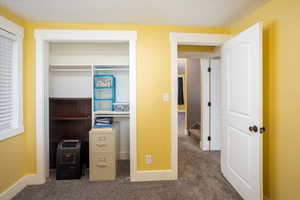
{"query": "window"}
(11, 111)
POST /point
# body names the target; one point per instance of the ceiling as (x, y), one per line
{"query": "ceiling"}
(158, 12)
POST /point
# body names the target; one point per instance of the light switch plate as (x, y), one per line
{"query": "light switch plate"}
(165, 97)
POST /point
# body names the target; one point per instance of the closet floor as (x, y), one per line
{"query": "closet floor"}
(200, 178)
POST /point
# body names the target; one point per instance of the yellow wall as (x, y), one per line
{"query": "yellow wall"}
(281, 56)
(153, 79)
(281, 96)
(12, 150)
(18, 154)
(194, 48)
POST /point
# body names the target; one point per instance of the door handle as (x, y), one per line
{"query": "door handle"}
(253, 128)
(262, 129)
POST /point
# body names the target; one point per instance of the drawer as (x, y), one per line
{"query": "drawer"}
(102, 166)
(102, 143)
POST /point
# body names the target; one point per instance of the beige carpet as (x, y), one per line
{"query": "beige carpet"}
(181, 124)
(200, 178)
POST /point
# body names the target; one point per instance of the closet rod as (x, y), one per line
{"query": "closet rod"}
(112, 69)
(70, 70)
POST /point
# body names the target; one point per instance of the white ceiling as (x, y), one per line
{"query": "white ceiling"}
(158, 12)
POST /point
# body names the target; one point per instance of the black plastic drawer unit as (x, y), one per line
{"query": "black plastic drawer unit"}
(68, 165)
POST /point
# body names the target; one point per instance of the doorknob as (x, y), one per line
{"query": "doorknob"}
(262, 129)
(253, 128)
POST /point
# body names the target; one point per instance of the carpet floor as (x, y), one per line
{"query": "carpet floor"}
(199, 178)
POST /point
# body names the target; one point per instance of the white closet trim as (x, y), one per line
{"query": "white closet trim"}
(43, 37)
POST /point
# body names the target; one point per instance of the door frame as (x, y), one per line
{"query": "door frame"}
(43, 37)
(184, 39)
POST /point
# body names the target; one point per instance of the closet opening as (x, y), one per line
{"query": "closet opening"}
(89, 110)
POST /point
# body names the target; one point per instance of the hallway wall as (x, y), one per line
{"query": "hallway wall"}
(193, 92)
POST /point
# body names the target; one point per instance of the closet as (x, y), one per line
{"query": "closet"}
(75, 99)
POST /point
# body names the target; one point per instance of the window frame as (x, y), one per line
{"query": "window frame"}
(18, 31)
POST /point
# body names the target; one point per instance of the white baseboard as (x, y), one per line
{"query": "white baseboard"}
(124, 155)
(31, 179)
(154, 175)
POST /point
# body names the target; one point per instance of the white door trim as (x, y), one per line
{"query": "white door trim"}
(184, 39)
(44, 36)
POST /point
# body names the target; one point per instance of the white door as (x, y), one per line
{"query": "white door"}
(241, 153)
(215, 98)
(210, 115)
(205, 99)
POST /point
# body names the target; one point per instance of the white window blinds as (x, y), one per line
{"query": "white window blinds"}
(8, 58)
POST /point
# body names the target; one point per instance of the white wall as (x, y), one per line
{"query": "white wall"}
(89, 53)
(70, 84)
(122, 140)
(193, 92)
(62, 84)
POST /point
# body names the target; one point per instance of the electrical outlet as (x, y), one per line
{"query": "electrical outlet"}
(148, 159)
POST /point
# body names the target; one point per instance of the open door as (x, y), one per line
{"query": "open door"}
(241, 153)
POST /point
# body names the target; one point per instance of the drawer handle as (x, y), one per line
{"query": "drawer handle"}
(101, 145)
(102, 138)
(102, 159)
(102, 166)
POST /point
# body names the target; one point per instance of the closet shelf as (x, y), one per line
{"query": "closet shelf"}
(58, 140)
(71, 65)
(70, 68)
(110, 113)
(111, 67)
(69, 99)
(70, 118)
(86, 67)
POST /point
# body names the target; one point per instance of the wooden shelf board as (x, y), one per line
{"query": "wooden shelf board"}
(70, 99)
(70, 118)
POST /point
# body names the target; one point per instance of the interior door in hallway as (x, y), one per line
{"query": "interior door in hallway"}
(241, 155)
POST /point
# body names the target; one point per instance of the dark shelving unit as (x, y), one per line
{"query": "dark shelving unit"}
(69, 118)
